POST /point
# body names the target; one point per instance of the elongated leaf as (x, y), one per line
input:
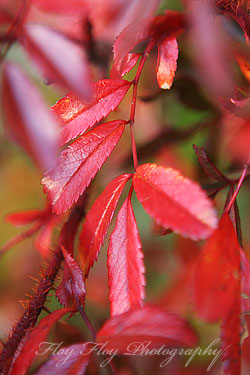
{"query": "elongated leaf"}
(231, 338)
(70, 70)
(174, 202)
(79, 163)
(125, 263)
(97, 221)
(68, 360)
(208, 166)
(167, 62)
(27, 119)
(22, 218)
(217, 274)
(72, 289)
(77, 116)
(150, 324)
(33, 344)
(245, 282)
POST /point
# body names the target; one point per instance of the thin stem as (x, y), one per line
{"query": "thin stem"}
(87, 321)
(19, 238)
(242, 177)
(134, 98)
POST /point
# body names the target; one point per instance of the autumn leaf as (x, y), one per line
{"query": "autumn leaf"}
(27, 119)
(125, 263)
(79, 163)
(149, 323)
(127, 65)
(76, 115)
(97, 222)
(32, 345)
(174, 201)
(69, 360)
(217, 273)
(72, 289)
(167, 62)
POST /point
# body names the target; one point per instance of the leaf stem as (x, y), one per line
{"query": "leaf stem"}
(242, 177)
(134, 98)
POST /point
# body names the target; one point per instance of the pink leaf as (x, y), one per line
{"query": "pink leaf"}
(167, 62)
(71, 290)
(125, 263)
(27, 119)
(32, 345)
(97, 221)
(69, 69)
(77, 116)
(150, 324)
(217, 273)
(68, 360)
(79, 163)
(174, 201)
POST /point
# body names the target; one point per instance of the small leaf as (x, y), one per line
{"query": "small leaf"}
(68, 360)
(97, 222)
(27, 119)
(79, 163)
(151, 324)
(76, 116)
(32, 345)
(166, 63)
(208, 166)
(174, 202)
(217, 273)
(125, 263)
(71, 290)
(70, 69)
(22, 218)
(127, 65)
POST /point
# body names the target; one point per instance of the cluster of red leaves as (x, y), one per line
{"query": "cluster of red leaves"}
(220, 272)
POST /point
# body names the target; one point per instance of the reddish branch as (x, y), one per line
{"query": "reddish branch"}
(36, 303)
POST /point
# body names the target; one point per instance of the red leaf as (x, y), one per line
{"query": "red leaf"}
(216, 277)
(167, 62)
(68, 360)
(65, 7)
(127, 65)
(231, 338)
(71, 290)
(32, 345)
(208, 166)
(77, 116)
(97, 221)
(79, 163)
(70, 70)
(27, 118)
(125, 263)
(245, 282)
(150, 324)
(22, 218)
(43, 240)
(169, 25)
(169, 198)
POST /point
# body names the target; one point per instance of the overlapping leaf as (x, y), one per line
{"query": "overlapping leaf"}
(69, 360)
(217, 273)
(167, 62)
(32, 346)
(79, 163)
(27, 118)
(127, 65)
(77, 116)
(70, 70)
(97, 221)
(71, 291)
(125, 263)
(169, 25)
(150, 324)
(174, 202)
